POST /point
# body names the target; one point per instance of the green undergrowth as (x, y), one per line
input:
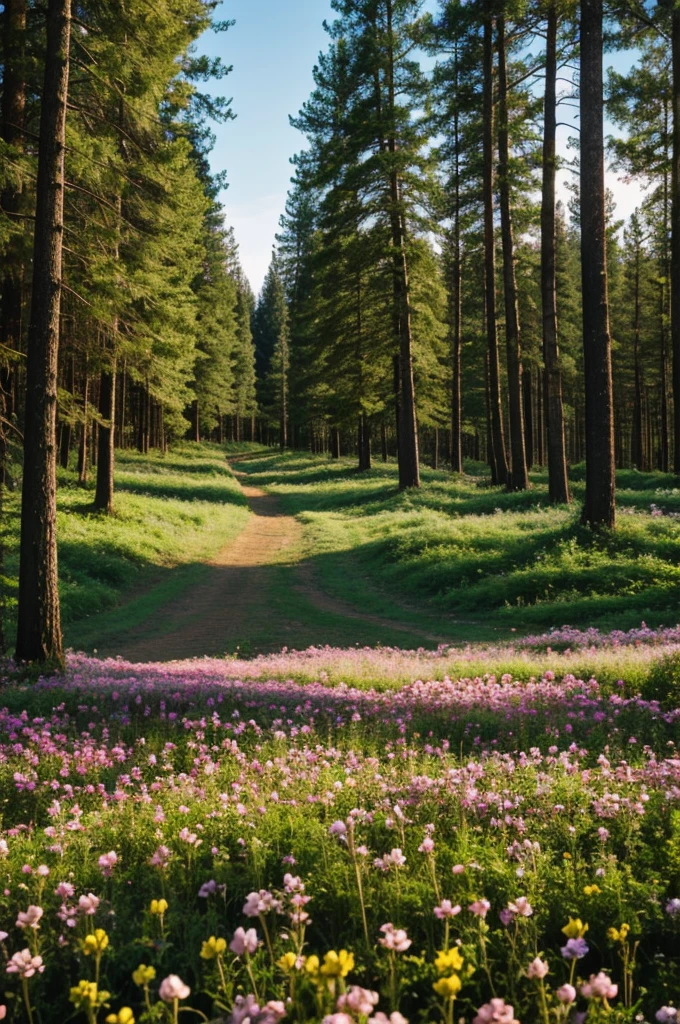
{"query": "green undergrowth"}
(170, 510)
(461, 546)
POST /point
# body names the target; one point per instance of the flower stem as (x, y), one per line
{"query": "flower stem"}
(27, 1001)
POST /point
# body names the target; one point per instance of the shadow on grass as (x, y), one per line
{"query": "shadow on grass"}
(163, 488)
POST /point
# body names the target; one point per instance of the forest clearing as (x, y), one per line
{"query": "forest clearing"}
(340, 511)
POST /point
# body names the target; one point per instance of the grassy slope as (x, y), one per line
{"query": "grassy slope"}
(493, 559)
(170, 511)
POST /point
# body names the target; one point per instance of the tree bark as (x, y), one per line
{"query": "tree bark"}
(39, 623)
(103, 496)
(675, 236)
(518, 476)
(364, 443)
(66, 427)
(83, 447)
(12, 119)
(558, 480)
(637, 438)
(409, 468)
(456, 297)
(600, 501)
(499, 461)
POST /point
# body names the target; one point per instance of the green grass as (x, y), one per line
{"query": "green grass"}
(466, 549)
(170, 511)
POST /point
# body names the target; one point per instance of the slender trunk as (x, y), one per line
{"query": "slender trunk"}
(195, 422)
(383, 440)
(122, 407)
(103, 496)
(600, 502)
(335, 443)
(637, 444)
(675, 237)
(456, 298)
(84, 432)
(364, 443)
(66, 427)
(12, 112)
(519, 477)
(558, 481)
(528, 406)
(409, 469)
(499, 462)
(39, 623)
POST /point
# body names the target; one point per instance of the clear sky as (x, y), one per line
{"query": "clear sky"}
(273, 48)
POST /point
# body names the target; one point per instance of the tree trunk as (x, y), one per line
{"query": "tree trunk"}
(456, 298)
(39, 624)
(409, 468)
(83, 447)
(518, 477)
(66, 427)
(335, 443)
(600, 502)
(637, 441)
(675, 237)
(195, 422)
(499, 467)
(11, 126)
(558, 480)
(364, 443)
(103, 496)
(528, 406)
(383, 440)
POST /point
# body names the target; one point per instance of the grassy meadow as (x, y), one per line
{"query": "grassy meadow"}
(171, 512)
(491, 560)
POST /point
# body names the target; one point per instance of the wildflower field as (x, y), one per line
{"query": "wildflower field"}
(229, 841)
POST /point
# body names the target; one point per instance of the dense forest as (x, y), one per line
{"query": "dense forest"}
(429, 296)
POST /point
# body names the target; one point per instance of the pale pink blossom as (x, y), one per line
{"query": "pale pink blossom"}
(566, 993)
(537, 968)
(30, 918)
(395, 939)
(599, 986)
(359, 1001)
(480, 908)
(244, 941)
(495, 1012)
(172, 988)
(446, 909)
(25, 964)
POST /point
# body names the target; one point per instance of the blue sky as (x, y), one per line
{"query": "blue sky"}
(273, 48)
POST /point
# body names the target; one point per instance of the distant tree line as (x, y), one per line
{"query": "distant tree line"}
(429, 296)
(124, 313)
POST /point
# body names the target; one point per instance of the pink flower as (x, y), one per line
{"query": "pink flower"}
(446, 909)
(338, 1018)
(381, 1018)
(172, 988)
(244, 941)
(394, 938)
(30, 918)
(566, 993)
(537, 968)
(3, 1012)
(521, 907)
(25, 965)
(160, 858)
(599, 986)
(427, 845)
(480, 908)
(88, 905)
(495, 1012)
(107, 863)
(338, 828)
(359, 1001)
(65, 890)
(458, 869)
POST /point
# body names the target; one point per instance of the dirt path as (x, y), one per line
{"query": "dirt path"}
(230, 603)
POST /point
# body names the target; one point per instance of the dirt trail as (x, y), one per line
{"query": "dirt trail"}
(230, 604)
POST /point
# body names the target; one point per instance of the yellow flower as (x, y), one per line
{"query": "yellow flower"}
(95, 943)
(592, 890)
(213, 948)
(143, 975)
(124, 1016)
(158, 907)
(448, 988)
(86, 994)
(337, 965)
(575, 929)
(618, 934)
(450, 960)
(312, 964)
(567, 856)
(288, 962)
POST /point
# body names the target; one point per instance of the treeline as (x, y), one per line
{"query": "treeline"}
(125, 317)
(439, 302)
